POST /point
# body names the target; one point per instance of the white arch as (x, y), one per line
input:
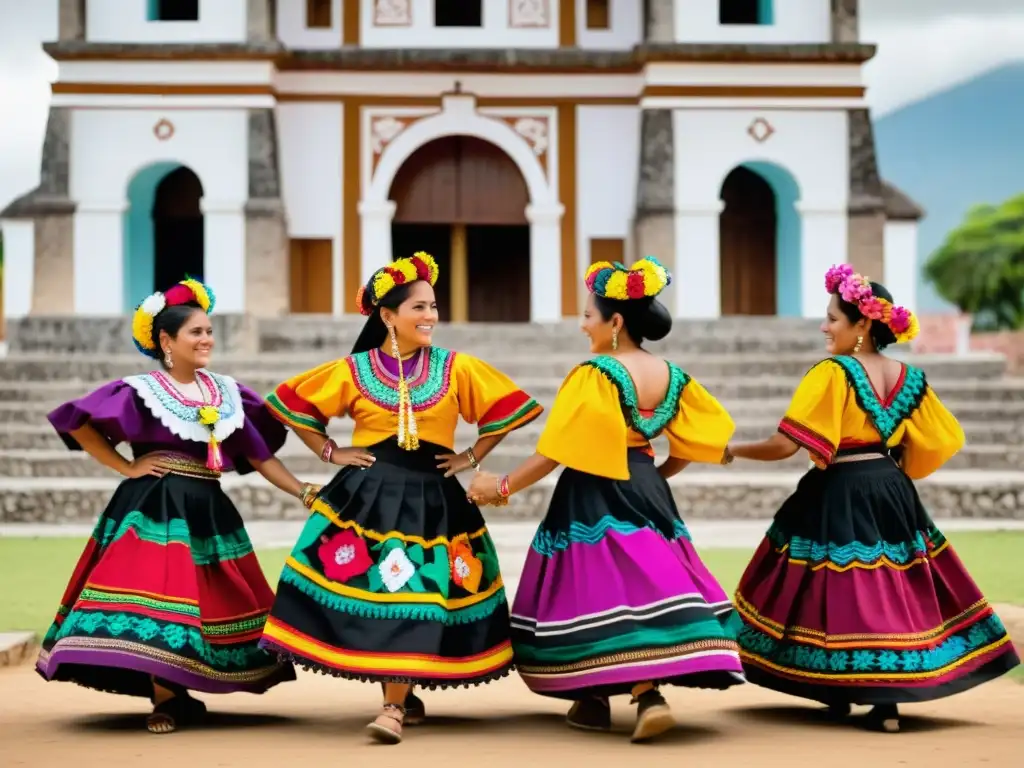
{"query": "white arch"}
(458, 117)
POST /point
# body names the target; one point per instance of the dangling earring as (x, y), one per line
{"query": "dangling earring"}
(615, 338)
(860, 342)
(167, 358)
(408, 437)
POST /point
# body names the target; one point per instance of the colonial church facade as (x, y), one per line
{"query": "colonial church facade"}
(285, 149)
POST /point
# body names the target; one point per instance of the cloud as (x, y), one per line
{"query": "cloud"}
(918, 58)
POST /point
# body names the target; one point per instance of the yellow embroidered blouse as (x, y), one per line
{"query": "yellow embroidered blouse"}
(595, 419)
(836, 407)
(443, 385)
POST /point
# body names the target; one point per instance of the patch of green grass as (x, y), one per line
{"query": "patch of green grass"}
(34, 572)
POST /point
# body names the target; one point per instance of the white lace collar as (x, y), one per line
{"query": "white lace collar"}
(181, 415)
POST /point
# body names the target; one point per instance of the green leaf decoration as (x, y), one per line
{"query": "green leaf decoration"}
(315, 527)
(374, 582)
(438, 570)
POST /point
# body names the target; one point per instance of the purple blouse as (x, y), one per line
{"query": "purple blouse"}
(149, 414)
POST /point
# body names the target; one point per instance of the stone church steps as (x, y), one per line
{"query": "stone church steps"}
(951, 493)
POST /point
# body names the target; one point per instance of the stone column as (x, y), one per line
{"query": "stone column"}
(654, 229)
(661, 21)
(845, 22)
(866, 228)
(261, 21)
(266, 232)
(545, 251)
(71, 20)
(375, 238)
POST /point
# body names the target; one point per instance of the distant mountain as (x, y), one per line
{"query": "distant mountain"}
(954, 149)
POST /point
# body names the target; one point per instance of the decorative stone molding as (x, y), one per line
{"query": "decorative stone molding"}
(760, 130)
(164, 129)
(392, 13)
(534, 127)
(529, 14)
(385, 127)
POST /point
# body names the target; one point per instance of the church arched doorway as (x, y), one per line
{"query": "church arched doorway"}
(464, 200)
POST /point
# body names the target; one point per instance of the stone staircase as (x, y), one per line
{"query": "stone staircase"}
(752, 366)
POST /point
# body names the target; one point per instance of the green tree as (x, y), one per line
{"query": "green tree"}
(980, 266)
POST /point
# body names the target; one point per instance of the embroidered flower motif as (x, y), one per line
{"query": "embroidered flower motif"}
(467, 570)
(209, 415)
(344, 556)
(396, 569)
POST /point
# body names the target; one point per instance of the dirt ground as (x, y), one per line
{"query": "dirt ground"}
(319, 721)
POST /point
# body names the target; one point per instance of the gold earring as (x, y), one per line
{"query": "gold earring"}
(860, 342)
(615, 338)
(167, 358)
(394, 344)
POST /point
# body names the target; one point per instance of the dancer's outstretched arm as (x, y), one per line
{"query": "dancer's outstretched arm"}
(778, 447)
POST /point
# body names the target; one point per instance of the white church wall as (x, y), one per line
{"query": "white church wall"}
(128, 21)
(19, 265)
(385, 25)
(109, 147)
(607, 148)
(625, 28)
(293, 31)
(901, 271)
(810, 146)
(790, 21)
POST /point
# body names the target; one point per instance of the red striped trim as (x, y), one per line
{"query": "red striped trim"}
(815, 444)
(505, 407)
(296, 404)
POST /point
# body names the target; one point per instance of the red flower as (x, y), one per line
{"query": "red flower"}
(344, 556)
(422, 270)
(635, 285)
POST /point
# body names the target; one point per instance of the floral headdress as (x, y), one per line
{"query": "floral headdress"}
(856, 289)
(645, 279)
(419, 266)
(188, 290)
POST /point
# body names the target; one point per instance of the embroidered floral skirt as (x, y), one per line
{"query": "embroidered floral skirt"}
(614, 594)
(394, 579)
(854, 596)
(168, 587)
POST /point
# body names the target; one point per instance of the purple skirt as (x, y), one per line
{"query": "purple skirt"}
(614, 594)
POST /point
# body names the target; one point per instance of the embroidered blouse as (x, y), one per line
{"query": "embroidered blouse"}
(150, 414)
(836, 407)
(443, 386)
(596, 419)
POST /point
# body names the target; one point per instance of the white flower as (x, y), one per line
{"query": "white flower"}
(461, 568)
(396, 570)
(345, 554)
(154, 304)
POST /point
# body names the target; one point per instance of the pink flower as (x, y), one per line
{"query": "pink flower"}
(836, 275)
(871, 308)
(855, 289)
(899, 319)
(344, 556)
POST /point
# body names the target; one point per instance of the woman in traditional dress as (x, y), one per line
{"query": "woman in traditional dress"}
(613, 598)
(168, 595)
(395, 578)
(854, 596)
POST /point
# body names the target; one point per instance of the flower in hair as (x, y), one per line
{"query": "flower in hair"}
(645, 279)
(188, 290)
(856, 289)
(419, 266)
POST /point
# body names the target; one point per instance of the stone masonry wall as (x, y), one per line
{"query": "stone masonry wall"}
(866, 244)
(845, 26)
(654, 221)
(53, 282)
(266, 231)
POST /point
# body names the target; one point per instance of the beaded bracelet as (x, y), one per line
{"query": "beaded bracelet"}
(503, 492)
(327, 451)
(472, 459)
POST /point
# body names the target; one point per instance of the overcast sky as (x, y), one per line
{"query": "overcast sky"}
(924, 46)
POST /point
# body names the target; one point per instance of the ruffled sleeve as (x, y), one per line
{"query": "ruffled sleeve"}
(933, 436)
(113, 410)
(815, 415)
(490, 399)
(586, 430)
(260, 437)
(701, 428)
(310, 400)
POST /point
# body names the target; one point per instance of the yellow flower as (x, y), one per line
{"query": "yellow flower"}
(208, 415)
(616, 286)
(406, 267)
(382, 283)
(427, 259)
(142, 328)
(596, 267)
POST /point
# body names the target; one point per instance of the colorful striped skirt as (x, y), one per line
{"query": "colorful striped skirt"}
(614, 594)
(168, 587)
(856, 597)
(394, 579)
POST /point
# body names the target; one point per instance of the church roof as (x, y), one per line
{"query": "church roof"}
(898, 204)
